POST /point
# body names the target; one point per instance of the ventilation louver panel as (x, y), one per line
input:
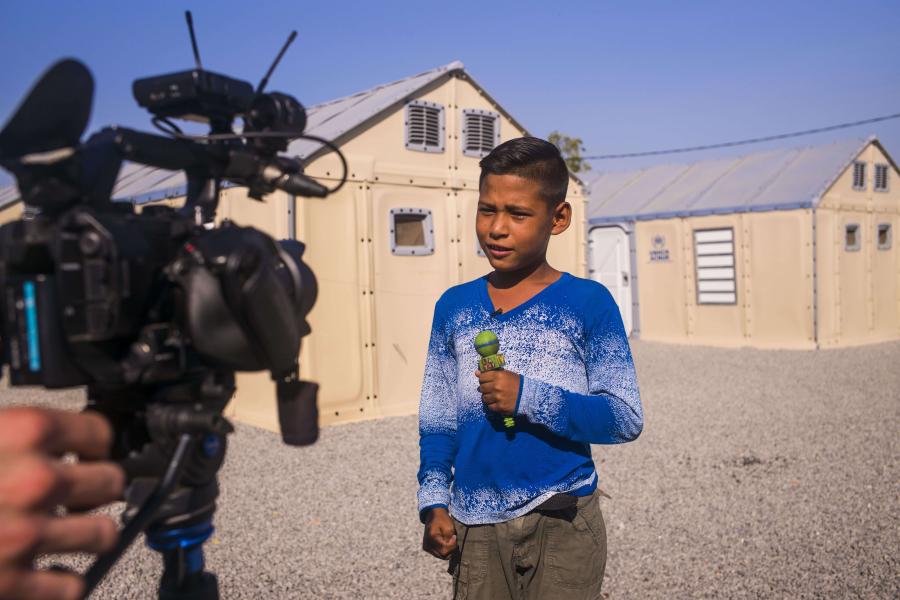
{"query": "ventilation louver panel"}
(425, 126)
(881, 178)
(859, 176)
(481, 132)
(715, 266)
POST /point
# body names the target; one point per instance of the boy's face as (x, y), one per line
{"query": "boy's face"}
(514, 222)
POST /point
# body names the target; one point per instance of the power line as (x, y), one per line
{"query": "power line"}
(743, 142)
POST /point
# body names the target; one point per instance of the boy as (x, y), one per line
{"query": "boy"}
(516, 508)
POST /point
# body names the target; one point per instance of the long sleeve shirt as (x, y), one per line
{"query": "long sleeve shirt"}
(578, 387)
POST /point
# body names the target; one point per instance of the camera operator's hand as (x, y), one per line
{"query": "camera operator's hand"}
(440, 534)
(33, 482)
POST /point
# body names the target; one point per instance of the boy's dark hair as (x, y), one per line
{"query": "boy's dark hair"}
(531, 158)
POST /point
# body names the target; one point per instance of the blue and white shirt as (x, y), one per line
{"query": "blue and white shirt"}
(578, 388)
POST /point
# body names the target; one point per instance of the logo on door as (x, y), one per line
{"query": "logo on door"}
(658, 251)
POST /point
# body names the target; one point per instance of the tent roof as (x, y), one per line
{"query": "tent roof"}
(771, 180)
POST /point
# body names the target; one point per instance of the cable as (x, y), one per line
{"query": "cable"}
(742, 142)
(337, 151)
(170, 127)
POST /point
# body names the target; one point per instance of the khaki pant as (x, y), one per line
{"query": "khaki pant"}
(538, 556)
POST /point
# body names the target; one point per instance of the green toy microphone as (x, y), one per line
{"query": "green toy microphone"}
(488, 346)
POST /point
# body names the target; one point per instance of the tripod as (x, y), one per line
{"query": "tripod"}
(171, 448)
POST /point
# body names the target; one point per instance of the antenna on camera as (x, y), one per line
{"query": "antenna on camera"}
(265, 80)
(190, 24)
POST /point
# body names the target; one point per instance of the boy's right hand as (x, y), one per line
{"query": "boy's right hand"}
(440, 534)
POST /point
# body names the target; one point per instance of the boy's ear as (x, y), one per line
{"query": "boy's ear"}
(562, 218)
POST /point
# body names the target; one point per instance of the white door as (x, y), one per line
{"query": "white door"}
(609, 262)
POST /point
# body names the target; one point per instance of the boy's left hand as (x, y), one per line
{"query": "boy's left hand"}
(499, 390)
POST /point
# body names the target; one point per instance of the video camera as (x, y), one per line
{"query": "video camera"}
(154, 311)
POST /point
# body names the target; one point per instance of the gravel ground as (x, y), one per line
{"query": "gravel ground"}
(759, 474)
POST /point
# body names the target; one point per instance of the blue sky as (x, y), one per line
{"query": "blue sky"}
(624, 76)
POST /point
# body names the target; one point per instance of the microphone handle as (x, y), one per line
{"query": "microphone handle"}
(492, 363)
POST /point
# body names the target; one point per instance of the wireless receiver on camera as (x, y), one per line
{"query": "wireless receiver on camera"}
(151, 311)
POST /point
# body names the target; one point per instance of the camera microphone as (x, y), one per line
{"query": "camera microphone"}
(297, 184)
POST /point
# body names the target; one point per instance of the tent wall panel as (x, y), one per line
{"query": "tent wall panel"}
(663, 309)
(854, 281)
(828, 249)
(406, 288)
(336, 354)
(780, 276)
(716, 324)
(885, 269)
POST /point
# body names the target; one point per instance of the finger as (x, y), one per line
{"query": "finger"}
(430, 546)
(19, 536)
(489, 376)
(95, 533)
(89, 485)
(87, 434)
(447, 548)
(477, 373)
(21, 584)
(28, 481)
